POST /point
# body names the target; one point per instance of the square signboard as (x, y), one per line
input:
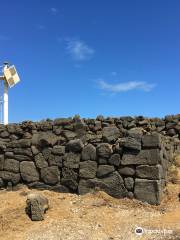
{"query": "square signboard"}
(11, 76)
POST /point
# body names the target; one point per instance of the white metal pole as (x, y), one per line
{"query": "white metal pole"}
(5, 102)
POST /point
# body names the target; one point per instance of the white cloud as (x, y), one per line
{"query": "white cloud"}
(126, 86)
(54, 10)
(79, 50)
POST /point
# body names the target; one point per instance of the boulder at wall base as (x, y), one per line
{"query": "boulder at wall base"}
(113, 185)
(36, 206)
(149, 191)
(88, 153)
(29, 172)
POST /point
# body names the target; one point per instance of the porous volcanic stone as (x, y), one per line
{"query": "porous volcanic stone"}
(129, 183)
(23, 151)
(151, 141)
(75, 145)
(104, 170)
(88, 169)
(132, 143)
(29, 172)
(112, 184)
(11, 165)
(104, 150)
(88, 153)
(55, 160)
(1, 162)
(50, 175)
(36, 206)
(146, 156)
(148, 191)
(129, 171)
(69, 178)
(68, 134)
(44, 139)
(40, 161)
(22, 158)
(34, 150)
(149, 172)
(58, 150)
(110, 134)
(46, 153)
(71, 160)
(10, 177)
(114, 160)
(22, 143)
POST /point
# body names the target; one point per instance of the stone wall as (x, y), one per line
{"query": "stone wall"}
(125, 157)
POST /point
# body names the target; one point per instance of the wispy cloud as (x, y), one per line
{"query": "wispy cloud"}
(54, 10)
(125, 86)
(4, 38)
(79, 50)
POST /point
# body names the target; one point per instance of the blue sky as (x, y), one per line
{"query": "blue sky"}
(92, 57)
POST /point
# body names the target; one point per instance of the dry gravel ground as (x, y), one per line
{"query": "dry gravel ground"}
(94, 216)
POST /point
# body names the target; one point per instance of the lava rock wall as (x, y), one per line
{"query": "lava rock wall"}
(125, 157)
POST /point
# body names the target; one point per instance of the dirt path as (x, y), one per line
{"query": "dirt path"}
(90, 217)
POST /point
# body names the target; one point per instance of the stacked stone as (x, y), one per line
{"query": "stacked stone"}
(117, 155)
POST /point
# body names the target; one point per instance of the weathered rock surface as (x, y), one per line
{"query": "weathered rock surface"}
(75, 145)
(104, 170)
(147, 156)
(113, 185)
(104, 150)
(88, 169)
(29, 172)
(148, 190)
(71, 160)
(88, 153)
(50, 175)
(114, 160)
(129, 171)
(149, 172)
(110, 134)
(36, 206)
